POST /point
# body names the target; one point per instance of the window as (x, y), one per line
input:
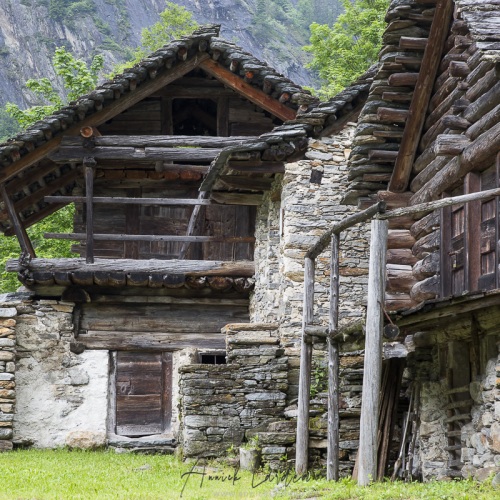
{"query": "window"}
(213, 359)
(469, 236)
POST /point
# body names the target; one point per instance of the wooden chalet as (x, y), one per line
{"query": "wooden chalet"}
(430, 131)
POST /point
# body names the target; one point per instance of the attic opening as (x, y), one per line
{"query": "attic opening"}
(194, 117)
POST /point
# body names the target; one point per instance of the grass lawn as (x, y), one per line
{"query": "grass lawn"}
(64, 474)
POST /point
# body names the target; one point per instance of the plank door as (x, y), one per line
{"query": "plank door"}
(143, 393)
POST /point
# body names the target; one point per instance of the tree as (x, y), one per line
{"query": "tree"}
(174, 22)
(77, 78)
(346, 50)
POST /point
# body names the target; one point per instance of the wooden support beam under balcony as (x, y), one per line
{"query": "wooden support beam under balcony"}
(151, 237)
(244, 268)
(69, 154)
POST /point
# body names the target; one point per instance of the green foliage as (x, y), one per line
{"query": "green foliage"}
(319, 377)
(8, 125)
(174, 22)
(62, 10)
(59, 222)
(252, 444)
(344, 51)
(77, 78)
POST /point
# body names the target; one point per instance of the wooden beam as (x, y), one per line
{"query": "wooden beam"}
(158, 141)
(151, 237)
(302, 442)
(226, 198)
(130, 201)
(174, 267)
(372, 373)
(19, 229)
(68, 154)
(108, 112)
(251, 93)
(421, 96)
(88, 170)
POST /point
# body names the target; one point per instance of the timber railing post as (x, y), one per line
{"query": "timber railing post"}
(89, 166)
(372, 373)
(332, 461)
(301, 462)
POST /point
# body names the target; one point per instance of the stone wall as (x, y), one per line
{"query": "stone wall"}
(480, 429)
(303, 204)
(481, 437)
(61, 397)
(218, 403)
(8, 314)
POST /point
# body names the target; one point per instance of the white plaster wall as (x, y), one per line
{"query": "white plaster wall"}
(57, 392)
(54, 401)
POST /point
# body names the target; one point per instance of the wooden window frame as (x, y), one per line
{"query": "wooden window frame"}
(473, 280)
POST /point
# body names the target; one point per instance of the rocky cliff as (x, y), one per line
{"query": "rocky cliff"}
(31, 29)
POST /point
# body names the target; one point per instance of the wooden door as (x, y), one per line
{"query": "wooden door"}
(143, 393)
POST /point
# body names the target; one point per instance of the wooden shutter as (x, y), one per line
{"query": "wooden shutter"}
(143, 393)
(488, 233)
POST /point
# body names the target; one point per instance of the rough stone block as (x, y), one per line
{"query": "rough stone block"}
(495, 436)
(204, 421)
(10, 367)
(6, 376)
(9, 322)
(266, 396)
(86, 440)
(484, 473)
(468, 454)
(8, 312)
(6, 356)
(5, 433)
(6, 446)
(6, 408)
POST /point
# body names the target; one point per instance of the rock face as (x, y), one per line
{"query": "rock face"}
(30, 31)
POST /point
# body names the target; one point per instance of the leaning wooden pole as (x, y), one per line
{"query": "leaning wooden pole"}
(301, 458)
(332, 461)
(372, 373)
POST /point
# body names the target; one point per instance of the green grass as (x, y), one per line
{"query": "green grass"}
(63, 474)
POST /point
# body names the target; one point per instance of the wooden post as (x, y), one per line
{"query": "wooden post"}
(89, 165)
(332, 461)
(301, 459)
(367, 454)
(19, 230)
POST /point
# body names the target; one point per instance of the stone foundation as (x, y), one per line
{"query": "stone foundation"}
(8, 319)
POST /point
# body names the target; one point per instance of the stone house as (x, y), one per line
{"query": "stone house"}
(198, 177)
(132, 329)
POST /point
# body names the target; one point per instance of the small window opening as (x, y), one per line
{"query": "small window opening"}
(213, 359)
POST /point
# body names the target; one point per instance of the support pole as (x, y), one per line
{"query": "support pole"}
(19, 230)
(332, 461)
(301, 461)
(372, 373)
(88, 166)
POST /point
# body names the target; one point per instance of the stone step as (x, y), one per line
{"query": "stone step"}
(457, 418)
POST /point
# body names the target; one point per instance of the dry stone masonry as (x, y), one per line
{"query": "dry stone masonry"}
(219, 402)
(8, 315)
